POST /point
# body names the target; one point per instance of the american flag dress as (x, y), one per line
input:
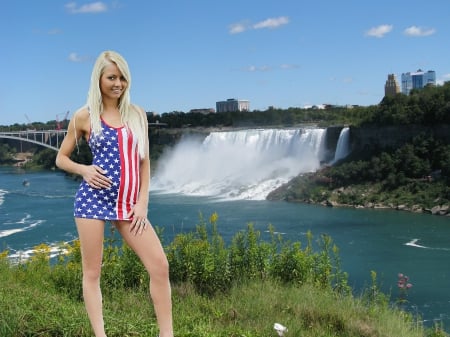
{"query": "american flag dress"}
(115, 151)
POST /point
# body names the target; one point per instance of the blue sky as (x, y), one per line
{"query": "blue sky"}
(185, 55)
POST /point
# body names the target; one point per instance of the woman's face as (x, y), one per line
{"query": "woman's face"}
(112, 82)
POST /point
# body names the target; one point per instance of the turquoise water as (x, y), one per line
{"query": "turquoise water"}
(388, 242)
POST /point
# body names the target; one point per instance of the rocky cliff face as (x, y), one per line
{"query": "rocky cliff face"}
(375, 137)
(332, 137)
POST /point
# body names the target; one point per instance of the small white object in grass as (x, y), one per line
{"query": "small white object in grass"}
(280, 329)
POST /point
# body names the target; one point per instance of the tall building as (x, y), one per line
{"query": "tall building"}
(391, 88)
(417, 80)
(232, 104)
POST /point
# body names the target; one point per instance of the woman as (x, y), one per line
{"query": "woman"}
(115, 187)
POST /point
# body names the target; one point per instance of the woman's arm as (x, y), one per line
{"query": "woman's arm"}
(80, 126)
(75, 131)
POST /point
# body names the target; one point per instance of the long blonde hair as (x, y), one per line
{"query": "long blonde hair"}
(131, 116)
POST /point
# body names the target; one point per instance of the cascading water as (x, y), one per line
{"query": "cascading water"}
(246, 164)
(343, 145)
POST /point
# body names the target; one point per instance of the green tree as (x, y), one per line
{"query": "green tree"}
(6, 153)
(45, 158)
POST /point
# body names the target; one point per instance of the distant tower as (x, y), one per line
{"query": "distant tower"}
(417, 80)
(391, 88)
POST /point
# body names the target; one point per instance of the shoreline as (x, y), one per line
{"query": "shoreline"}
(439, 210)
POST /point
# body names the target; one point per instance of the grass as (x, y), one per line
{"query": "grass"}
(30, 307)
(42, 299)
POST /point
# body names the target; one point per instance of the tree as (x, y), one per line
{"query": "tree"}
(6, 153)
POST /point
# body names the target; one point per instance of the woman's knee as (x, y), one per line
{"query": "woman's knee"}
(160, 268)
(91, 275)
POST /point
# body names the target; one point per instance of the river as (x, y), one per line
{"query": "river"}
(231, 173)
(386, 241)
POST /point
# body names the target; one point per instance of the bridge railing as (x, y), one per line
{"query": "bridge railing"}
(49, 138)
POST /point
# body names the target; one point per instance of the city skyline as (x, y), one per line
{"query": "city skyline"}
(186, 56)
(417, 80)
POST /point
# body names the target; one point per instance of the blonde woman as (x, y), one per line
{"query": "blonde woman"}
(115, 187)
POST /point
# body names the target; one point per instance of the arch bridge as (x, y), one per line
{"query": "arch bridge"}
(51, 139)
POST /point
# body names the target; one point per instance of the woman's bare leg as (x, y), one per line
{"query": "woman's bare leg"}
(91, 233)
(150, 251)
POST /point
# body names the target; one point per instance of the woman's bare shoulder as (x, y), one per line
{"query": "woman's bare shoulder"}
(82, 120)
(82, 113)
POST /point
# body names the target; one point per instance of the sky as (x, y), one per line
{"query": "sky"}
(187, 55)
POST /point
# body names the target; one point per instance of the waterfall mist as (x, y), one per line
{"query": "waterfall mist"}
(245, 164)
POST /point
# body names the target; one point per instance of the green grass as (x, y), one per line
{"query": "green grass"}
(29, 309)
(40, 298)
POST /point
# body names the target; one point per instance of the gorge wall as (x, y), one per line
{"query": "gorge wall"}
(381, 137)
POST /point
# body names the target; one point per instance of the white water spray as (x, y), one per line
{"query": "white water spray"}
(246, 164)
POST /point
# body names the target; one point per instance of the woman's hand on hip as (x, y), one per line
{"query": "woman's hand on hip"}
(96, 177)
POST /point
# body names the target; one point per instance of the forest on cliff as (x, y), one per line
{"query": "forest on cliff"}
(413, 176)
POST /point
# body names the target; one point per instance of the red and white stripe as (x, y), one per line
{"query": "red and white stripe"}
(129, 173)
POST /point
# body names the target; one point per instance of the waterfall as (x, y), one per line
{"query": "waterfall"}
(343, 145)
(245, 164)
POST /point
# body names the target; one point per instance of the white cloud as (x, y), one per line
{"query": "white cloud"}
(93, 7)
(237, 28)
(255, 68)
(419, 31)
(379, 31)
(271, 23)
(74, 57)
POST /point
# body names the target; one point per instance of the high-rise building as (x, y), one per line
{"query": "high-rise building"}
(417, 80)
(232, 104)
(391, 88)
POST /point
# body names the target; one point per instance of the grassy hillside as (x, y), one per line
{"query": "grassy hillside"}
(240, 290)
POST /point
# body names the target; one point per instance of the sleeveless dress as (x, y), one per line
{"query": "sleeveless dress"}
(115, 151)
